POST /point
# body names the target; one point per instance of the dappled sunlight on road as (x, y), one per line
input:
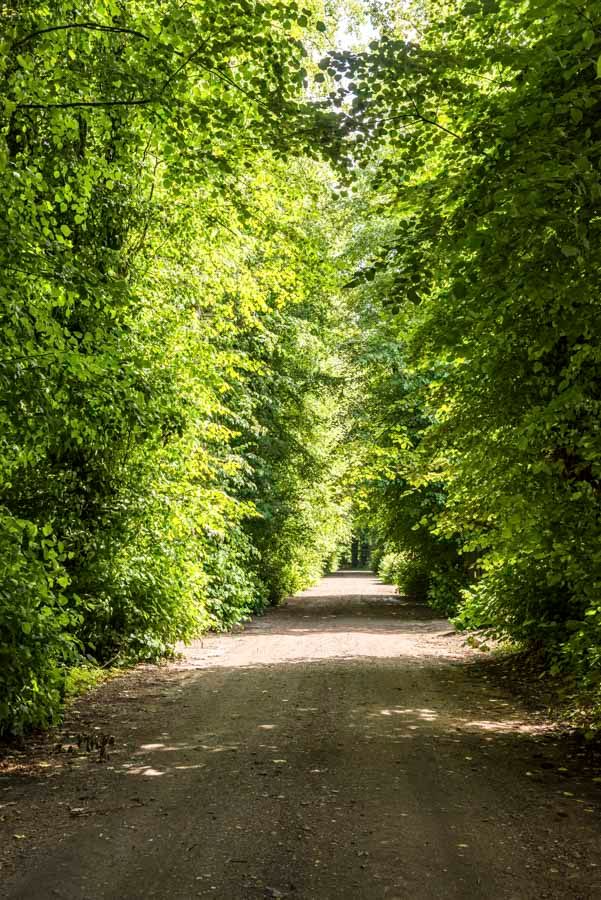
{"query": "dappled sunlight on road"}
(445, 719)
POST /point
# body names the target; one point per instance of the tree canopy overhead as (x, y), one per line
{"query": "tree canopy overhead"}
(258, 289)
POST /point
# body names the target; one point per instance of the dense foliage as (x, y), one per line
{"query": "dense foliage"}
(478, 272)
(186, 402)
(168, 384)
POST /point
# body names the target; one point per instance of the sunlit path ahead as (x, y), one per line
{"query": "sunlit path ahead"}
(345, 745)
(347, 615)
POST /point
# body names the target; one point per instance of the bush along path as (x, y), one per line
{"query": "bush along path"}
(346, 744)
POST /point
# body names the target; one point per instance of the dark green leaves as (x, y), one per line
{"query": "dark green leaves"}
(495, 230)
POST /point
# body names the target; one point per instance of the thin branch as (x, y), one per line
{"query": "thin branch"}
(144, 101)
(439, 126)
(60, 278)
(137, 246)
(212, 71)
(432, 121)
(227, 80)
(422, 118)
(218, 221)
(7, 360)
(80, 104)
(92, 26)
(176, 71)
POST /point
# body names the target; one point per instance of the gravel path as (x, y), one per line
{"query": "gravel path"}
(346, 745)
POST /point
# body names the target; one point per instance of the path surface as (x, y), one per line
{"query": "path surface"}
(345, 746)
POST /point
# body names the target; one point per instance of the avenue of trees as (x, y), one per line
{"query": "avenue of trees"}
(258, 290)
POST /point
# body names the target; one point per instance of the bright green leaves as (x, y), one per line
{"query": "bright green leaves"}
(161, 270)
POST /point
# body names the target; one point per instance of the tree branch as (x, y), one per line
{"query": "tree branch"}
(433, 121)
(142, 101)
(422, 118)
(92, 26)
(438, 125)
(77, 104)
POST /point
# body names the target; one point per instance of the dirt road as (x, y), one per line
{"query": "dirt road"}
(345, 746)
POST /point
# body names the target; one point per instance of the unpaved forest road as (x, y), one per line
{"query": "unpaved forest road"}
(345, 745)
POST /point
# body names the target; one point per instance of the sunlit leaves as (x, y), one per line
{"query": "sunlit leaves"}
(146, 263)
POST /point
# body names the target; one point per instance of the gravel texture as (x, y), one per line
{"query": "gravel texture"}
(346, 745)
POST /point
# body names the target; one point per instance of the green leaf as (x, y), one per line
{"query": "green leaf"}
(575, 115)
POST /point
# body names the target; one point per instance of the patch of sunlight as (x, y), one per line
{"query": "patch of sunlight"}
(196, 766)
(221, 748)
(144, 770)
(508, 725)
(266, 727)
(425, 715)
(164, 748)
(428, 715)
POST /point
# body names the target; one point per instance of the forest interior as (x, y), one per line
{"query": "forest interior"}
(279, 277)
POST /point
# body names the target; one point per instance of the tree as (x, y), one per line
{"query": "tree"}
(142, 251)
(483, 119)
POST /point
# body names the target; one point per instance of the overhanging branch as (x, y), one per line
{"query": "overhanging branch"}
(90, 26)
